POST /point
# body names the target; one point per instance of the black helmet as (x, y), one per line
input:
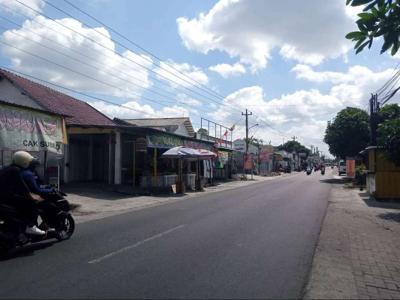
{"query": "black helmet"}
(34, 163)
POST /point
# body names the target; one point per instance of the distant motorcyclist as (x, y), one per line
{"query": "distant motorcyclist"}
(14, 191)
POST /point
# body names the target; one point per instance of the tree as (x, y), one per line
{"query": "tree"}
(389, 112)
(348, 134)
(294, 146)
(380, 18)
(389, 131)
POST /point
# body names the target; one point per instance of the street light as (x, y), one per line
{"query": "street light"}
(253, 126)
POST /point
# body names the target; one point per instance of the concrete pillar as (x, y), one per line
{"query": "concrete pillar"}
(110, 158)
(66, 164)
(117, 159)
(90, 171)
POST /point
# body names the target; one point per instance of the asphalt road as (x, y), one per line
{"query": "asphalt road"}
(252, 242)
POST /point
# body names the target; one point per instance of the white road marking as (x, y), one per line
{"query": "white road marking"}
(97, 260)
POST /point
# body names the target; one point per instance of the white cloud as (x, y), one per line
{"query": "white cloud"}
(120, 71)
(13, 6)
(133, 109)
(227, 70)
(181, 74)
(355, 85)
(302, 113)
(189, 101)
(307, 31)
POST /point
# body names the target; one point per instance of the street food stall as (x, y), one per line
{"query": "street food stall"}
(182, 154)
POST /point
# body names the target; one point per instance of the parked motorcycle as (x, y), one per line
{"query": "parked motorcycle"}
(56, 221)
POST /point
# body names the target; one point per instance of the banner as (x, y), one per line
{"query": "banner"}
(24, 129)
(351, 168)
(248, 162)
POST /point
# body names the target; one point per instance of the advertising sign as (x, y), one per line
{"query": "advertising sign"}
(24, 129)
(163, 141)
(248, 162)
(351, 168)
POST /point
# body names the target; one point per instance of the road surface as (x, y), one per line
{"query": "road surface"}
(252, 242)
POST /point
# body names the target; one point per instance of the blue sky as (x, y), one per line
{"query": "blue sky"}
(288, 62)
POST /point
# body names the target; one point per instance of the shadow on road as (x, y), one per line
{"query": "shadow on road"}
(96, 191)
(372, 202)
(336, 180)
(28, 250)
(390, 216)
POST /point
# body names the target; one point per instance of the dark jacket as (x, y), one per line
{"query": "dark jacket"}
(32, 181)
(11, 184)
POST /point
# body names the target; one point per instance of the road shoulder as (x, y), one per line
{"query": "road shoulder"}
(358, 252)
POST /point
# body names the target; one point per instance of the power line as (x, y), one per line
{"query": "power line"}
(76, 52)
(112, 50)
(395, 74)
(182, 101)
(220, 103)
(210, 91)
(77, 72)
(132, 60)
(85, 63)
(72, 90)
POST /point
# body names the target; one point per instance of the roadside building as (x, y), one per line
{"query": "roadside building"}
(94, 148)
(35, 130)
(251, 164)
(383, 176)
(142, 149)
(224, 166)
(90, 140)
(266, 160)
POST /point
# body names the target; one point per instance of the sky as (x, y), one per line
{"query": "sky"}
(287, 62)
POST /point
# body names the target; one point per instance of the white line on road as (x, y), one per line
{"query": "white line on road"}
(97, 260)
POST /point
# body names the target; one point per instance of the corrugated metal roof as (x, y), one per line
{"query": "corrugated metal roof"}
(169, 124)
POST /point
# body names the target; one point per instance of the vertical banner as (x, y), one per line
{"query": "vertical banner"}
(25, 129)
(248, 162)
(351, 168)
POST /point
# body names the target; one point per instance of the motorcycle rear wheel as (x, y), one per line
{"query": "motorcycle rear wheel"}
(65, 227)
(5, 246)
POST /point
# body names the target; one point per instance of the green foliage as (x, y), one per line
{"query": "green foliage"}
(294, 146)
(360, 174)
(380, 18)
(348, 134)
(389, 137)
(389, 112)
(389, 131)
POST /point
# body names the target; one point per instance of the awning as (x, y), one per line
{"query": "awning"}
(188, 153)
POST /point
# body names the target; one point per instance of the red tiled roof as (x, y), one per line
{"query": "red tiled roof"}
(77, 112)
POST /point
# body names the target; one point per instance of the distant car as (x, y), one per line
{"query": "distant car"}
(342, 167)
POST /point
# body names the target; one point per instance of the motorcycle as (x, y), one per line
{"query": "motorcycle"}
(323, 171)
(54, 218)
(308, 171)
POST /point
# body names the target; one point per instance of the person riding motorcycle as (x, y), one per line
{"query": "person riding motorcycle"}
(32, 180)
(14, 191)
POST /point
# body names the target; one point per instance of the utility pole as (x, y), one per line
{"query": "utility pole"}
(373, 118)
(247, 114)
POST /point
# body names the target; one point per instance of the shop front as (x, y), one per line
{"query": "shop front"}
(143, 165)
(38, 132)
